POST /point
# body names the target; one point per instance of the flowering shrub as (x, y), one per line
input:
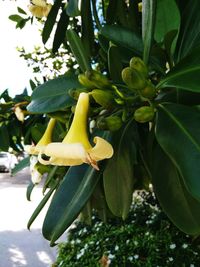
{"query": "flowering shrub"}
(147, 238)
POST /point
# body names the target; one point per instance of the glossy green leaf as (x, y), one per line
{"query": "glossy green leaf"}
(21, 165)
(118, 175)
(51, 20)
(164, 22)
(148, 21)
(189, 35)
(53, 95)
(185, 74)
(178, 134)
(115, 63)
(20, 10)
(41, 205)
(78, 50)
(59, 36)
(72, 9)
(4, 137)
(123, 37)
(87, 27)
(177, 203)
(68, 201)
(29, 190)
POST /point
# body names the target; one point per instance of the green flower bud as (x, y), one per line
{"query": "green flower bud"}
(112, 123)
(103, 98)
(144, 114)
(74, 93)
(133, 79)
(99, 80)
(137, 63)
(149, 91)
(85, 81)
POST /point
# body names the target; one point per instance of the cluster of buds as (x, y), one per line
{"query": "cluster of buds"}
(136, 78)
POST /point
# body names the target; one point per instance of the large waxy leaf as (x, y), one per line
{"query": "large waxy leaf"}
(51, 20)
(53, 95)
(165, 23)
(123, 37)
(118, 175)
(72, 9)
(115, 63)
(78, 50)
(148, 20)
(189, 36)
(178, 204)
(59, 36)
(68, 201)
(185, 74)
(178, 134)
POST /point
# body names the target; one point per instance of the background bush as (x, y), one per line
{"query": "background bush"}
(147, 238)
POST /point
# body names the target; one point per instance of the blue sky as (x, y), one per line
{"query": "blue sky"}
(14, 73)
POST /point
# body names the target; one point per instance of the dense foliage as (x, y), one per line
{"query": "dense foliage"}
(138, 63)
(146, 238)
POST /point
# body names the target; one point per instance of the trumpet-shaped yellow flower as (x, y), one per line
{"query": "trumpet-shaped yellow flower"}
(75, 148)
(39, 8)
(45, 140)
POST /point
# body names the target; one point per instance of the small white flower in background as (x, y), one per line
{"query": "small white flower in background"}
(111, 256)
(116, 247)
(172, 246)
(135, 243)
(130, 258)
(171, 259)
(192, 265)
(184, 245)
(36, 176)
(136, 257)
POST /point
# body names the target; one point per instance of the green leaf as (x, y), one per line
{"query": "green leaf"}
(123, 37)
(16, 18)
(148, 21)
(4, 137)
(78, 50)
(87, 27)
(118, 175)
(115, 63)
(178, 134)
(29, 190)
(53, 95)
(41, 205)
(21, 165)
(177, 203)
(189, 35)
(72, 9)
(68, 201)
(20, 10)
(185, 75)
(164, 22)
(60, 33)
(51, 20)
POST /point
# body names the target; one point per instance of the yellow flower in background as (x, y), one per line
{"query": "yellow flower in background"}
(75, 148)
(19, 113)
(39, 8)
(46, 139)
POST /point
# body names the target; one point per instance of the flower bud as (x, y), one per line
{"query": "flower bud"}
(144, 114)
(138, 64)
(149, 91)
(99, 80)
(133, 79)
(74, 93)
(85, 81)
(112, 123)
(103, 98)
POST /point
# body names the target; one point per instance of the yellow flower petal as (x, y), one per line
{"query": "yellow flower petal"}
(64, 154)
(40, 11)
(101, 150)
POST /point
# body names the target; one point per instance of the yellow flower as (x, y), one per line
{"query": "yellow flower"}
(19, 113)
(46, 139)
(75, 148)
(39, 8)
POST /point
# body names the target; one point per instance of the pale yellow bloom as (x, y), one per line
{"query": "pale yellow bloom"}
(36, 176)
(46, 139)
(19, 113)
(75, 148)
(39, 8)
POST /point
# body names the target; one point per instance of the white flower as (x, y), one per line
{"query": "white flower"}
(136, 257)
(184, 245)
(116, 247)
(171, 259)
(172, 246)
